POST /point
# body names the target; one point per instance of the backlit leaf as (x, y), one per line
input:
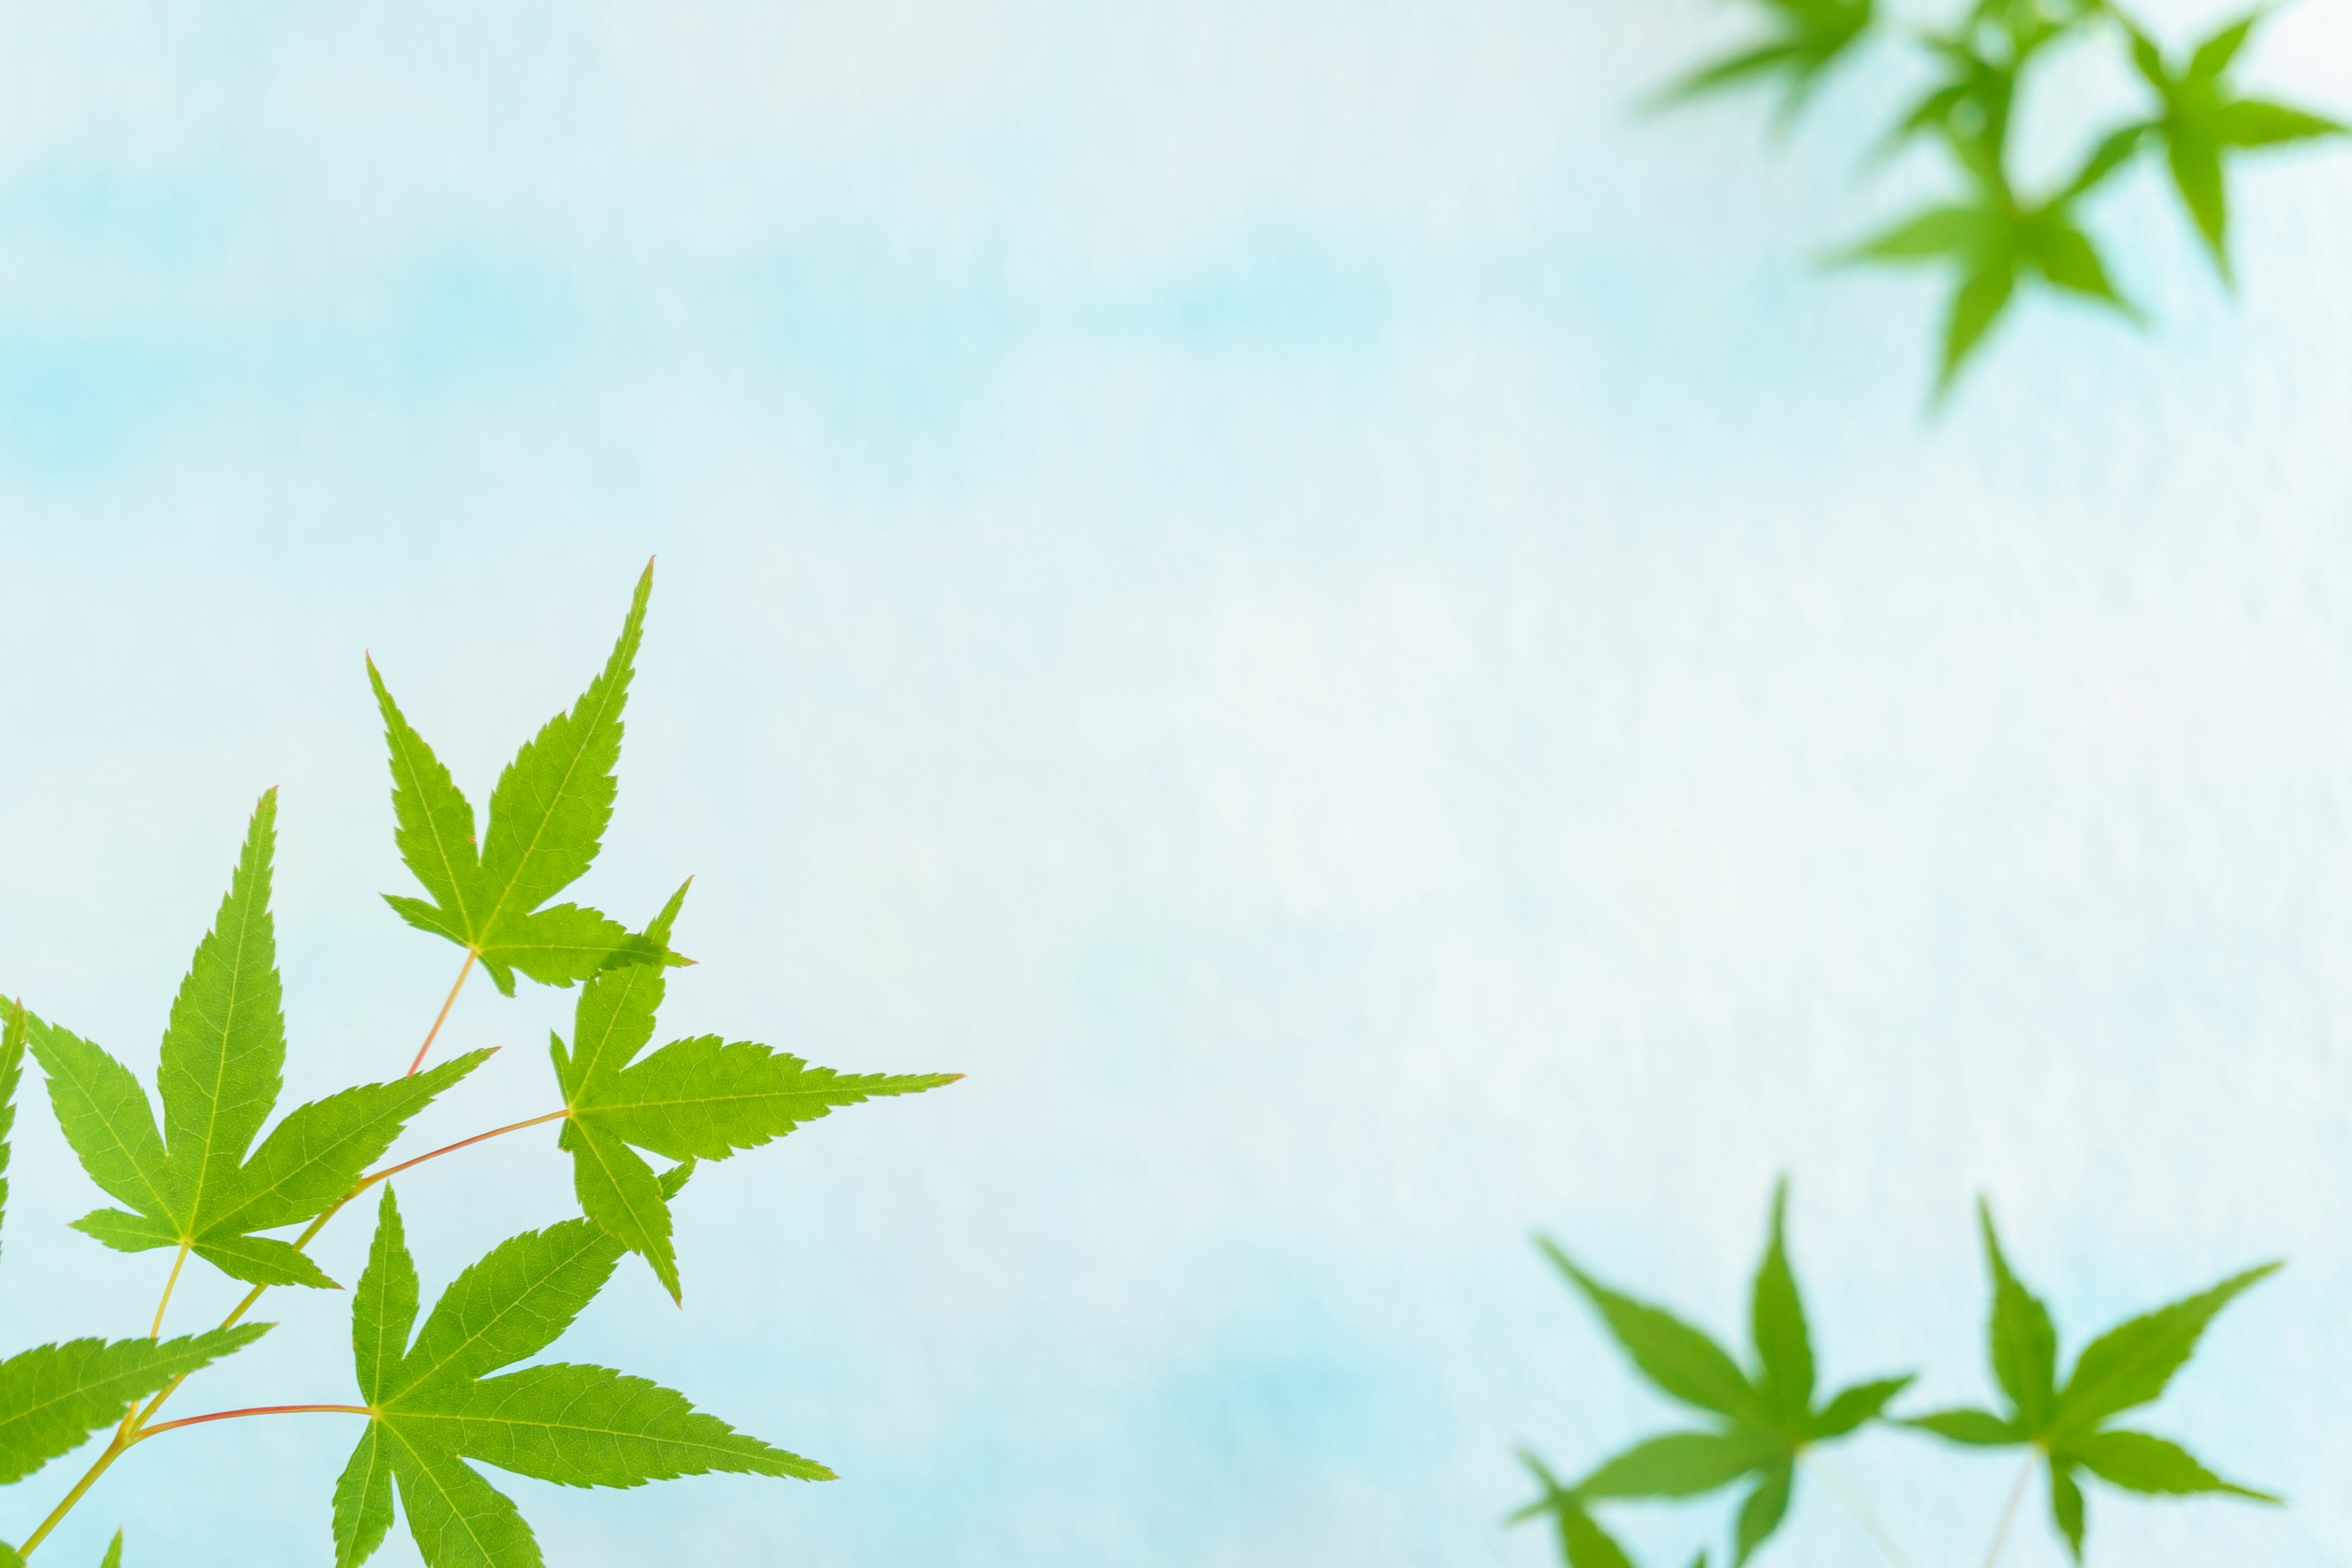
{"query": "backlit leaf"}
(546, 821)
(13, 1035)
(200, 1184)
(54, 1396)
(697, 1098)
(435, 1405)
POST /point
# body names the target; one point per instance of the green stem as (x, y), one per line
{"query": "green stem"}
(65, 1504)
(178, 1263)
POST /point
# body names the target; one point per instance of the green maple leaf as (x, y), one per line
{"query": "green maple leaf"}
(702, 1098)
(1764, 1420)
(1582, 1543)
(54, 1396)
(433, 1404)
(13, 1036)
(2204, 119)
(1813, 36)
(1994, 241)
(2128, 1366)
(191, 1185)
(1983, 61)
(547, 815)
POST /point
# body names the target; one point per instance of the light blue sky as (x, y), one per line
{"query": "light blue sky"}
(1352, 631)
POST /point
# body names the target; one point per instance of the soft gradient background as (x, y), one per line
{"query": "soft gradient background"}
(1352, 630)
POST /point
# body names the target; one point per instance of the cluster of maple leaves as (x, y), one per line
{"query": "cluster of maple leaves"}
(1763, 1424)
(1995, 234)
(200, 1186)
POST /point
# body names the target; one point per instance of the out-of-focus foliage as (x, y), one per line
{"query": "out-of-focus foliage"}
(1763, 1421)
(1994, 235)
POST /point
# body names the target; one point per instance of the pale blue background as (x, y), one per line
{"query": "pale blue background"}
(1353, 632)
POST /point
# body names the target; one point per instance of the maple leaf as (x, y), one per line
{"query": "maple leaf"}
(13, 1035)
(1582, 1543)
(433, 1404)
(1984, 61)
(1764, 1420)
(54, 1396)
(2128, 1366)
(702, 1098)
(547, 815)
(1996, 241)
(1814, 35)
(2203, 118)
(191, 1185)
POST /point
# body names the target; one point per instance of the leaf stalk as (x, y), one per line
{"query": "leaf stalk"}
(2016, 1496)
(178, 1263)
(443, 1016)
(158, 1431)
(134, 1429)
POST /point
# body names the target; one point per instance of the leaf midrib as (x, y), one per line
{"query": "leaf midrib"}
(228, 1024)
(425, 1470)
(129, 1375)
(590, 1067)
(147, 1178)
(547, 815)
(457, 882)
(393, 1414)
(592, 1241)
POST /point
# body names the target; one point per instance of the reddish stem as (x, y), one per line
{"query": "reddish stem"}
(252, 1410)
(390, 1172)
(443, 1016)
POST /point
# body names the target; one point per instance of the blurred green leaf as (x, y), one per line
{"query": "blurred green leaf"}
(1813, 36)
(1784, 1348)
(2203, 118)
(2128, 1366)
(1766, 1507)
(1767, 1420)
